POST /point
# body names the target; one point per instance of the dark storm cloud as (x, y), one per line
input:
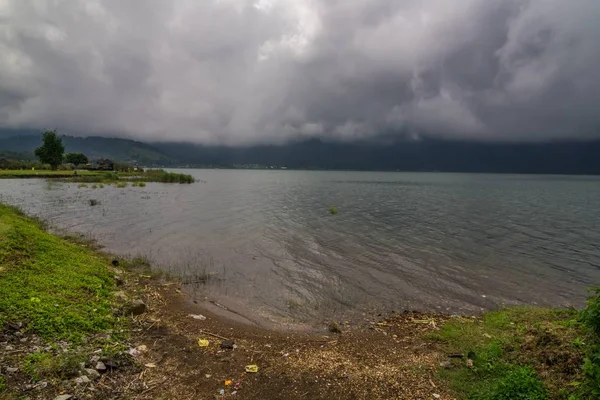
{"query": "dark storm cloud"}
(236, 71)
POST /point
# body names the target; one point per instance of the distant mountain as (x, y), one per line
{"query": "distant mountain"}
(423, 155)
(124, 150)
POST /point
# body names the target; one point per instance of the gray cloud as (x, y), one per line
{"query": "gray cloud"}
(237, 71)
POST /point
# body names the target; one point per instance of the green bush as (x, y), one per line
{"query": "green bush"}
(590, 318)
(519, 383)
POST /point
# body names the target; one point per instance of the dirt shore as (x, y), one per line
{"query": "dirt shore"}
(388, 359)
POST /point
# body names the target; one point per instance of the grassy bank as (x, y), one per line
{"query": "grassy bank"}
(108, 177)
(57, 304)
(524, 353)
(62, 310)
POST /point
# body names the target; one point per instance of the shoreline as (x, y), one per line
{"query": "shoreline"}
(156, 353)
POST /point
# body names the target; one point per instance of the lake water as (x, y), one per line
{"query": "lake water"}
(273, 252)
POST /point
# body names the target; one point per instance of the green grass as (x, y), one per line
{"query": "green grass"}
(57, 289)
(333, 210)
(518, 353)
(44, 365)
(85, 176)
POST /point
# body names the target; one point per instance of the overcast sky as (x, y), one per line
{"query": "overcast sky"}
(238, 72)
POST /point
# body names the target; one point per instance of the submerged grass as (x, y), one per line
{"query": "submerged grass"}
(57, 289)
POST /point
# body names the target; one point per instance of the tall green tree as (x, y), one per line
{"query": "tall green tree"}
(76, 158)
(52, 149)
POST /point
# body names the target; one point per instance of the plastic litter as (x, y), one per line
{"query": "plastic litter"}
(252, 368)
(203, 342)
(198, 316)
(222, 392)
(228, 382)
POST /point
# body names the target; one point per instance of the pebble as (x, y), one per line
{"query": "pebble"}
(227, 344)
(11, 370)
(136, 307)
(100, 367)
(82, 379)
(64, 397)
(142, 348)
(10, 348)
(42, 385)
(92, 373)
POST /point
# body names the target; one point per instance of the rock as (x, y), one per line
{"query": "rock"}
(470, 363)
(136, 307)
(41, 385)
(446, 364)
(334, 327)
(121, 295)
(64, 397)
(142, 348)
(111, 364)
(9, 348)
(227, 344)
(92, 373)
(100, 367)
(11, 370)
(115, 262)
(82, 379)
(94, 359)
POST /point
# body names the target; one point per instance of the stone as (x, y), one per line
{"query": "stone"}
(11, 370)
(115, 262)
(334, 327)
(100, 367)
(41, 385)
(121, 295)
(446, 364)
(9, 348)
(64, 397)
(82, 379)
(92, 373)
(142, 348)
(470, 363)
(227, 344)
(136, 307)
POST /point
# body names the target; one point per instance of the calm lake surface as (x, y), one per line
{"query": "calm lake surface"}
(274, 254)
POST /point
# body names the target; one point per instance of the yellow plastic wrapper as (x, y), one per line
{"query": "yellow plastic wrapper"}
(252, 368)
(203, 342)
